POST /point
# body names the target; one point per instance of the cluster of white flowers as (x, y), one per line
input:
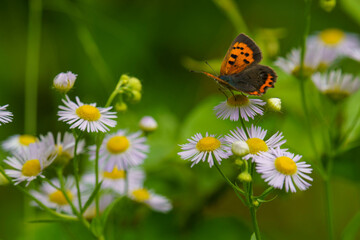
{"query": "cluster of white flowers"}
(322, 50)
(278, 167)
(121, 155)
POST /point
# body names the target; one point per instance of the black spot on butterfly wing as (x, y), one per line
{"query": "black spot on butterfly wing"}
(242, 38)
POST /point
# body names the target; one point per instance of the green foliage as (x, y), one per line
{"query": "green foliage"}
(154, 40)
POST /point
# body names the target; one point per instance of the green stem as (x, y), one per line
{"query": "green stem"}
(330, 219)
(301, 72)
(250, 188)
(113, 94)
(244, 127)
(305, 35)
(353, 124)
(97, 197)
(231, 10)
(76, 169)
(266, 192)
(73, 208)
(307, 117)
(255, 223)
(59, 172)
(51, 184)
(32, 65)
(227, 179)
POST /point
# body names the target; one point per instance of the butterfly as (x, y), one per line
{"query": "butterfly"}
(240, 70)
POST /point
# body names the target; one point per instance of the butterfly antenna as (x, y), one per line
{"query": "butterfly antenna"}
(211, 68)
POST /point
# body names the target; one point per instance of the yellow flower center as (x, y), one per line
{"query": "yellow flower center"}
(285, 165)
(118, 144)
(59, 198)
(336, 94)
(322, 67)
(332, 36)
(238, 101)
(208, 144)
(62, 157)
(31, 168)
(115, 174)
(141, 195)
(257, 145)
(88, 113)
(307, 71)
(26, 139)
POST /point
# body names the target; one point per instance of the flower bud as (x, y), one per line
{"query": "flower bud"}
(274, 104)
(124, 79)
(255, 203)
(63, 82)
(121, 107)
(245, 177)
(239, 162)
(135, 84)
(135, 96)
(240, 148)
(148, 124)
(328, 5)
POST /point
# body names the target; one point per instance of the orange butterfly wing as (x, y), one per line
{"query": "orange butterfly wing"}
(243, 52)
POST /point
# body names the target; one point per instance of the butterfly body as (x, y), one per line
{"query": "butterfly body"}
(240, 70)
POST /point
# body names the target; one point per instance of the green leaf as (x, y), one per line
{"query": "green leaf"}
(253, 237)
(97, 226)
(109, 209)
(352, 7)
(352, 228)
(91, 198)
(269, 200)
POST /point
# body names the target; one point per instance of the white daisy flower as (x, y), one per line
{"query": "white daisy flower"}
(105, 200)
(256, 140)
(239, 105)
(117, 180)
(17, 142)
(334, 43)
(62, 147)
(86, 117)
(204, 149)
(121, 150)
(278, 167)
(354, 54)
(63, 82)
(148, 124)
(29, 163)
(138, 193)
(335, 84)
(5, 116)
(312, 61)
(54, 198)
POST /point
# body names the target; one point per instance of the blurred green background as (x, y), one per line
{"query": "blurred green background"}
(157, 41)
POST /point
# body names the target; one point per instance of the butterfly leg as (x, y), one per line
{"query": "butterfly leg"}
(232, 93)
(223, 92)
